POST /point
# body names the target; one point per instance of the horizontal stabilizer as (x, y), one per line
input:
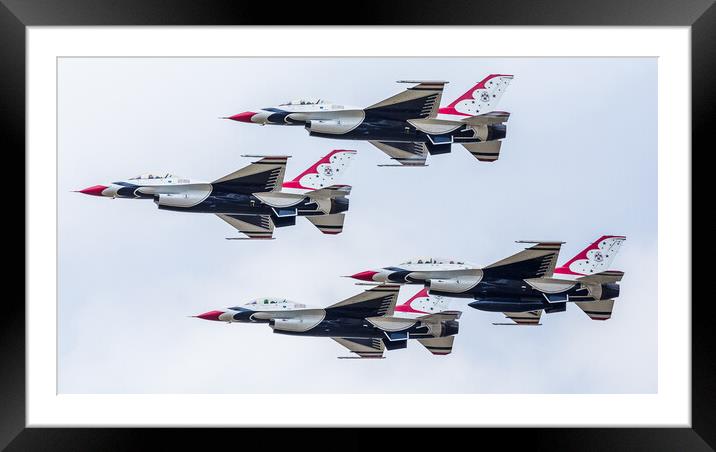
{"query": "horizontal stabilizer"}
(333, 191)
(597, 310)
(494, 117)
(438, 345)
(485, 151)
(328, 224)
(378, 301)
(441, 316)
(264, 175)
(609, 276)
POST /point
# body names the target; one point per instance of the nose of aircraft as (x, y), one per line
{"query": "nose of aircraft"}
(243, 117)
(211, 315)
(95, 190)
(364, 276)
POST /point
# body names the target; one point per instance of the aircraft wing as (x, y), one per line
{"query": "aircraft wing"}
(377, 301)
(406, 154)
(364, 348)
(417, 102)
(253, 226)
(537, 261)
(523, 318)
(438, 345)
(264, 175)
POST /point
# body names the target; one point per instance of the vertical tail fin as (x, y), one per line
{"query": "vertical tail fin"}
(421, 304)
(481, 98)
(324, 172)
(595, 258)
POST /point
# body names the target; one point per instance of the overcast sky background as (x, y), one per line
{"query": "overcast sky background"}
(579, 161)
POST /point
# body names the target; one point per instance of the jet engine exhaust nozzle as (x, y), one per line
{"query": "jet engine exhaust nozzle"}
(339, 205)
(496, 132)
(610, 290)
(450, 327)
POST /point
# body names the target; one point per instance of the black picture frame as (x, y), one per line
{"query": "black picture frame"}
(16, 15)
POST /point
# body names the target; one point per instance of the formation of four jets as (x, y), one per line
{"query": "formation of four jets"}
(407, 127)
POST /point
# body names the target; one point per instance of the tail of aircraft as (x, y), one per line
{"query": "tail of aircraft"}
(334, 199)
(422, 304)
(328, 224)
(317, 182)
(594, 259)
(481, 98)
(324, 172)
(484, 151)
(445, 327)
(597, 310)
(438, 345)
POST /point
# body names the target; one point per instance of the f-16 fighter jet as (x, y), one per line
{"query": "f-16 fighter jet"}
(523, 285)
(254, 199)
(366, 324)
(407, 126)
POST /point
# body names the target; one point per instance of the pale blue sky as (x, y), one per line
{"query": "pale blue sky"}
(580, 160)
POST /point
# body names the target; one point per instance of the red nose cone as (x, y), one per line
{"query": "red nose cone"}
(365, 276)
(211, 315)
(94, 191)
(243, 117)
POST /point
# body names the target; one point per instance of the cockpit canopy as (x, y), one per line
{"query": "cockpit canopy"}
(154, 176)
(307, 102)
(268, 301)
(433, 260)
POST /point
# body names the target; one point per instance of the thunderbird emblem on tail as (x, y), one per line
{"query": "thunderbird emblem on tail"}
(407, 126)
(254, 199)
